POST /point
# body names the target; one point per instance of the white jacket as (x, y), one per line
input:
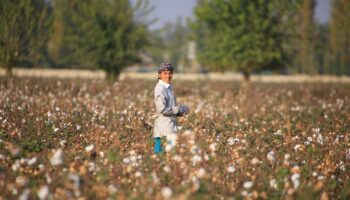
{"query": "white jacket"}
(167, 110)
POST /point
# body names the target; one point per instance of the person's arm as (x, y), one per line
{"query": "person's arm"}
(162, 106)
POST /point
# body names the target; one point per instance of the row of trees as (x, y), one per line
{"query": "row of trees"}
(24, 31)
(251, 36)
(247, 36)
(105, 34)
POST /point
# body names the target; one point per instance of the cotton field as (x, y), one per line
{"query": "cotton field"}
(89, 139)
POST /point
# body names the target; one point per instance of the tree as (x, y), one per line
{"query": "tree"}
(175, 39)
(242, 35)
(100, 34)
(307, 38)
(340, 36)
(24, 31)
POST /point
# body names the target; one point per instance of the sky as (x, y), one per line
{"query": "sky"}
(170, 10)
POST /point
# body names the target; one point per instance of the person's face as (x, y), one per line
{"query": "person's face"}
(166, 76)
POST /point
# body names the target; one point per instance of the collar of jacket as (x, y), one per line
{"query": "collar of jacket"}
(167, 85)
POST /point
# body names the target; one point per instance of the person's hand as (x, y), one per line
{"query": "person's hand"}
(183, 109)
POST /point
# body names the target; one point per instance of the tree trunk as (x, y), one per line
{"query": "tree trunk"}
(112, 75)
(245, 83)
(9, 71)
(244, 96)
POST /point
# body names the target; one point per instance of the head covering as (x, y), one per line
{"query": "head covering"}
(165, 67)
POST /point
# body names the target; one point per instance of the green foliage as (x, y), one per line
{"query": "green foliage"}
(306, 40)
(24, 31)
(30, 145)
(242, 35)
(340, 37)
(98, 34)
(175, 41)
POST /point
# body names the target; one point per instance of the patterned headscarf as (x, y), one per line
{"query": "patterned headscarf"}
(165, 67)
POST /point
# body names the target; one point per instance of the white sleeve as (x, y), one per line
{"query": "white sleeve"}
(162, 105)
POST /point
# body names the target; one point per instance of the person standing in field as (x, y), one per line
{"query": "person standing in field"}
(167, 109)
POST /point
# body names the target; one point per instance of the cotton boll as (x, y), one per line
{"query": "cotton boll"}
(89, 148)
(32, 161)
(172, 139)
(255, 161)
(273, 184)
(295, 180)
(57, 159)
(167, 192)
(25, 194)
(201, 173)
(213, 147)
(231, 169)
(271, 156)
(43, 192)
(248, 184)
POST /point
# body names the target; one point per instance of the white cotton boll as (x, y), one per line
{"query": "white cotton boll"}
(248, 184)
(63, 143)
(201, 173)
(278, 132)
(133, 158)
(212, 146)
(155, 178)
(57, 158)
(255, 161)
(168, 147)
(206, 157)
(166, 169)
(347, 154)
(286, 156)
(297, 147)
(167, 192)
(271, 156)
(15, 166)
(25, 194)
(132, 152)
(89, 148)
(172, 139)
(319, 139)
(196, 159)
(75, 179)
(91, 167)
(138, 174)
(78, 127)
(273, 184)
(231, 169)
(309, 139)
(48, 178)
(43, 192)
(126, 160)
(231, 141)
(112, 189)
(41, 167)
(295, 180)
(177, 158)
(32, 161)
